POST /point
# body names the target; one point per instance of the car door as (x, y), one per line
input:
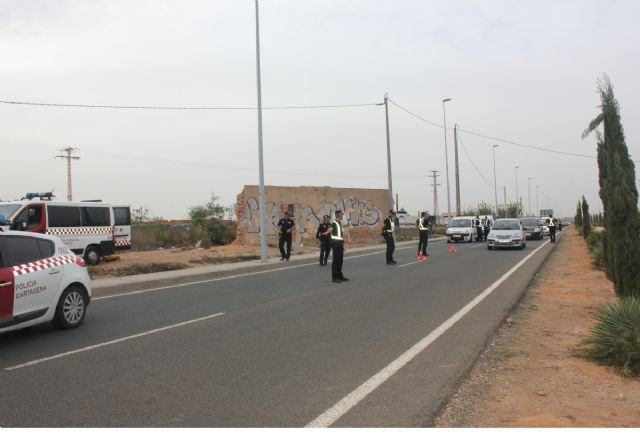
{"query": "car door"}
(36, 274)
(6, 287)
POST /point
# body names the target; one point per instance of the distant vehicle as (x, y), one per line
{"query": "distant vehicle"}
(532, 228)
(91, 229)
(405, 220)
(507, 233)
(461, 229)
(41, 280)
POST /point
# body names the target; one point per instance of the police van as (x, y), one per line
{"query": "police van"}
(91, 229)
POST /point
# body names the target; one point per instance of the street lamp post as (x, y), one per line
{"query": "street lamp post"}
(263, 215)
(390, 185)
(446, 157)
(495, 183)
(529, 194)
(537, 206)
(517, 195)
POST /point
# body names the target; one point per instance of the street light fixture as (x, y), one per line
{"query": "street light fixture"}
(495, 183)
(446, 157)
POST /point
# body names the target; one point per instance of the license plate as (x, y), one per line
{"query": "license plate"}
(504, 241)
(457, 237)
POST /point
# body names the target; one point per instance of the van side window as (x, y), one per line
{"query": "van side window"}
(21, 250)
(64, 216)
(122, 216)
(95, 216)
(32, 216)
(47, 248)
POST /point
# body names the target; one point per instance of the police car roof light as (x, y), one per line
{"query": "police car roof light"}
(42, 196)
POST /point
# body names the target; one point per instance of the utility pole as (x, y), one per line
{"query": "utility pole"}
(505, 198)
(455, 141)
(264, 249)
(517, 195)
(434, 174)
(537, 206)
(390, 185)
(446, 158)
(529, 194)
(397, 203)
(69, 151)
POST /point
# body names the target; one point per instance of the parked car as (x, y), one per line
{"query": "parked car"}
(507, 233)
(532, 228)
(461, 229)
(41, 280)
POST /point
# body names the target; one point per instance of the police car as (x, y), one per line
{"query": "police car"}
(41, 280)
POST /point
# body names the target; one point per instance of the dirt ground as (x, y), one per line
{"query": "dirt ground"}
(529, 375)
(129, 263)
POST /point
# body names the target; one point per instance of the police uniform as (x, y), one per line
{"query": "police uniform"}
(423, 229)
(478, 229)
(325, 242)
(285, 225)
(387, 232)
(337, 248)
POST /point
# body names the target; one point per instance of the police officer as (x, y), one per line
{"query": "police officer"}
(479, 231)
(285, 227)
(424, 223)
(551, 224)
(337, 246)
(387, 232)
(325, 240)
(487, 228)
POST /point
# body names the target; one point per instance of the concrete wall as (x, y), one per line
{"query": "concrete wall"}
(364, 211)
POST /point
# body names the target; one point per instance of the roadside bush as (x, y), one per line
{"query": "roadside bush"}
(151, 236)
(596, 245)
(615, 340)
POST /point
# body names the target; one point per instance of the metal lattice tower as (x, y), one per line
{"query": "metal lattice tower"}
(69, 151)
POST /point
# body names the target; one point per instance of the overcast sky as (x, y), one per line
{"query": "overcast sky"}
(520, 71)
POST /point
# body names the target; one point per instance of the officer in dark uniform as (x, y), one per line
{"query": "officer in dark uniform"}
(325, 240)
(487, 228)
(387, 232)
(336, 233)
(479, 231)
(424, 223)
(285, 227)
(551, 224)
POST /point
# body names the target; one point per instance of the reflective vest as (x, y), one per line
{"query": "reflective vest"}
(336, 234)
(421, 225)
(551, 223)
(392, 227)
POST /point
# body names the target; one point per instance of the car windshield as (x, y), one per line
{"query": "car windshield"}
(506, 226)
(461, 223)
(530, 222)
(9, 209)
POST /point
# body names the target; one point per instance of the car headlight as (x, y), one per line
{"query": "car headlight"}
(537, 230)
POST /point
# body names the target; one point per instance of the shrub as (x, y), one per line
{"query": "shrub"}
(615, 340)
(596, 245)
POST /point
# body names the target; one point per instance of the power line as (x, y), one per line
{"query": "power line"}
(100, 106)
(464, 148)
(510, 142)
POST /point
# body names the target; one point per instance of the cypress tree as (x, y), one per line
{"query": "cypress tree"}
(586, 219)
(619, 195)
(577, 220)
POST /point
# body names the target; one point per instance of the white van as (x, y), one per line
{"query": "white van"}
(89, 229)
(461, 229)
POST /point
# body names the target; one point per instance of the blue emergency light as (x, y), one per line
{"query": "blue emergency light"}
(43, 196)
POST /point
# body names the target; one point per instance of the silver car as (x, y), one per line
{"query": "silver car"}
(507, 233)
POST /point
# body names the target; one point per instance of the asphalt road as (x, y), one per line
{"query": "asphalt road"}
(279, 348)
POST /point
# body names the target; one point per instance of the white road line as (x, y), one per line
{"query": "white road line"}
(115, 341)
(327, 418)
(411, 263)
(236, 276)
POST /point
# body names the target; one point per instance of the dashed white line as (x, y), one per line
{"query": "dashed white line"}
(334, 413)
(115, 341)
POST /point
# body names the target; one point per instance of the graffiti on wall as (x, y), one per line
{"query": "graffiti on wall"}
(357, 213)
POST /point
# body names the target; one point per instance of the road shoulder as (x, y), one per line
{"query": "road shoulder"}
(528, 375)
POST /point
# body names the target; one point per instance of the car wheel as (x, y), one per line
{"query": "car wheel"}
(92, 255)
(489, 247)
(71, 308)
